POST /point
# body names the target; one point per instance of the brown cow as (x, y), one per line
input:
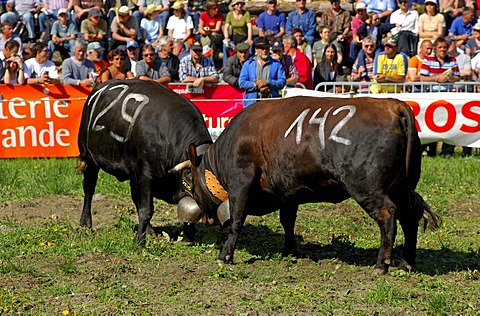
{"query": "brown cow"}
(281, 153)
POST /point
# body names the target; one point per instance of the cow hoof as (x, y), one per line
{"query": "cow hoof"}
(150, 230)
(189, 232)
(405, 266)
(227, 259)
(377, 271)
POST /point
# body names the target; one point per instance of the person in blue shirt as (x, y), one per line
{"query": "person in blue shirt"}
(261, 76)
(461, 28)
(271, 21)
(384, 8)
(303, 19)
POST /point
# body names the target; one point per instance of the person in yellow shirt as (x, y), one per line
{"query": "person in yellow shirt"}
(389, 66)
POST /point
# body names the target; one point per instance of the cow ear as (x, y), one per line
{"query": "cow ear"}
(192, 155)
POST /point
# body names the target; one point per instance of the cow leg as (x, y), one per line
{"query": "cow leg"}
(238, 214)
(90, 177)
(382, 210)
(288, 216)
(135, 198)
(409, 222)
(144, 207)
(189, 231)
(410, 230)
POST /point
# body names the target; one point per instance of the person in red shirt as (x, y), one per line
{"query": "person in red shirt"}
(210, 27)
(300, 60)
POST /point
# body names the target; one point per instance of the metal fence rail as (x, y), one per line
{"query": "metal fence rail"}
(407, 87)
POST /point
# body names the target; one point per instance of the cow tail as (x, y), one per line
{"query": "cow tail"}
(412, 160)
(431, 220)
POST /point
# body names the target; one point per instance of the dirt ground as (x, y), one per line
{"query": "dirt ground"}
(63, 207)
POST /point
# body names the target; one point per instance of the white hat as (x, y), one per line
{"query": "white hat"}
(124, 10)
(432, 1)
(62, 11)
(360, 6)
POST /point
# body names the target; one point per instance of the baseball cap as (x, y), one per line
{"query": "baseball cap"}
(197, 46)
(95, 46)
(62, 11)
(94, 13)
(133, 44)
(391, 42)
(431, 1)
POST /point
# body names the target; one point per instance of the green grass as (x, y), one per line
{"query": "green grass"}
(49, 266)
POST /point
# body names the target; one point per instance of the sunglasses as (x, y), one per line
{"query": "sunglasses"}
(369, 46)
(149, 55)
(119, 58)
(402, 2)
(46, 50)
(301, 0)
(272, 2)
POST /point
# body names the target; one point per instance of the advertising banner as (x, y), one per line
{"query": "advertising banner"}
(449, 117)
(43, 120)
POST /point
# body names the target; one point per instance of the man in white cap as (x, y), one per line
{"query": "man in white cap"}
(50, 11)
(124, 28)
(133, 53)
(357, 21)
(62, 35)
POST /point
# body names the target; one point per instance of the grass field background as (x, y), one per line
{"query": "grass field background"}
(49, 266)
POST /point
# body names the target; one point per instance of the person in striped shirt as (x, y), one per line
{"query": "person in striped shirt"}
(440, 67)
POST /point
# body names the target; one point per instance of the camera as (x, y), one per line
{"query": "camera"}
(206, 28)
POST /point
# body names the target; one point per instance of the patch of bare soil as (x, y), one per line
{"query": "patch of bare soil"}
(64, 207)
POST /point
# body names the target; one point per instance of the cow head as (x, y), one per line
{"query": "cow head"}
(213, 204)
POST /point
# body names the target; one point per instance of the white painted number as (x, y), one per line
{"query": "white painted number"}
(130, 119)
(298, 122)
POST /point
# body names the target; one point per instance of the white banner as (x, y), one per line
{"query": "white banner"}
(453, 118)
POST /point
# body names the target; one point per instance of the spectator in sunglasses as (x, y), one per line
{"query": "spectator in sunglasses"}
(40, 70)
(151, 68)
(406, 28)
(116, 70)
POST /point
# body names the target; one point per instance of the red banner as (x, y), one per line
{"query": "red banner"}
(43, 120)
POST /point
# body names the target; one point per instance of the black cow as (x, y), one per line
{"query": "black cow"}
(282, 153)
(137, 130)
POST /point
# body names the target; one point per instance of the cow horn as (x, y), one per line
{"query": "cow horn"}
(223, 212)
(183, 165)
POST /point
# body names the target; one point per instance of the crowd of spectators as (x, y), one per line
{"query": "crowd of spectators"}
(382, 43)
